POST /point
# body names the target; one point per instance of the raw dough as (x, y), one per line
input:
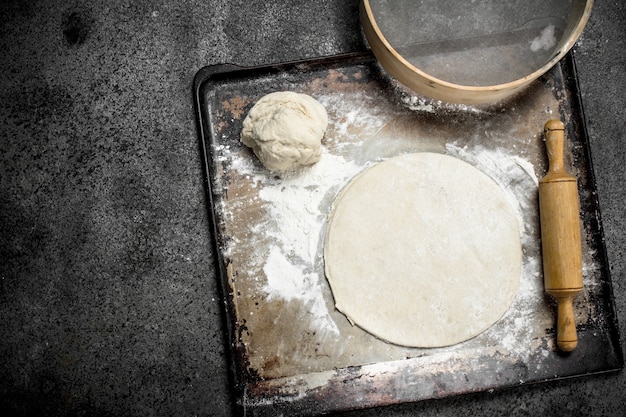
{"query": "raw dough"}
(285, 130)
(423, 250)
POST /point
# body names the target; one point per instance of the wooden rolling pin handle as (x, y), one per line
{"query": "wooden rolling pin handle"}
(554, 132)
(566, 337)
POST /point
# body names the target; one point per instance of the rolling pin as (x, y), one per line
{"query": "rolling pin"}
(560, 236)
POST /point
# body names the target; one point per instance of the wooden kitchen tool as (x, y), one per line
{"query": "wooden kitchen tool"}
(560, 236)
(470, 61)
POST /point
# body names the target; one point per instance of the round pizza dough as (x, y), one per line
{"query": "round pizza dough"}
(423, 250)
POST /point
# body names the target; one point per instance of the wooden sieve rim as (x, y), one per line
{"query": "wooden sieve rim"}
(433, 87)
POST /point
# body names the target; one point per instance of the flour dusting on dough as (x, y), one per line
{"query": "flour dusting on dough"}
(516, 176)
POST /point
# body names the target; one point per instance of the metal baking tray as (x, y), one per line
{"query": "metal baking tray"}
(290, 351)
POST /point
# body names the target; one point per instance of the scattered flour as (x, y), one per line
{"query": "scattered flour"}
(297, 205)
(284, 279)
(546, 40)
(288, 281)
(516, 177)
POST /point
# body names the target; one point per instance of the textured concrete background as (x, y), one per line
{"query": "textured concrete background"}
(108, 299)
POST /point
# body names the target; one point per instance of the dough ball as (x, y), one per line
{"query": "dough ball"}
(285, 130)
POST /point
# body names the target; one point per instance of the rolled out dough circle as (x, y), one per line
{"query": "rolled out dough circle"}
(423, 250)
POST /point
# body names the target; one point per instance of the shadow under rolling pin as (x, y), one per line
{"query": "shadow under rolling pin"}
(560, 236)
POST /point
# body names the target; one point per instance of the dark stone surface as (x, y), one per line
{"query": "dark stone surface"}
(108, 296)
